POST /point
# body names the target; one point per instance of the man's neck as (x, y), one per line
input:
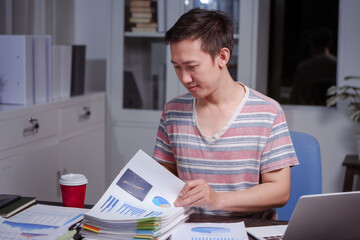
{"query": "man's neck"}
(230, 92)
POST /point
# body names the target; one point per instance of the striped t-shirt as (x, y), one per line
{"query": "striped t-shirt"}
(256, 140)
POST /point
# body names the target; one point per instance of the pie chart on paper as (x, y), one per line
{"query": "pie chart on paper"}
(161, 202)
(210, 230)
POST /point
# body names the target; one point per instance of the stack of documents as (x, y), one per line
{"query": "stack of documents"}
(138, 204)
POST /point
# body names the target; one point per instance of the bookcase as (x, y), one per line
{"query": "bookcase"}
(41, 142)
(141, 77)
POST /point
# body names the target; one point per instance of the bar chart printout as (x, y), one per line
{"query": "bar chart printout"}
(114, 205)
(138, 203)
(210, 231)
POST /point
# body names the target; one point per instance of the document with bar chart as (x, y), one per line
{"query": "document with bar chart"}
(138, 203)
(143, 189)
(210, 231)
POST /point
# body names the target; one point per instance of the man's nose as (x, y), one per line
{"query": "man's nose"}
(185, 77)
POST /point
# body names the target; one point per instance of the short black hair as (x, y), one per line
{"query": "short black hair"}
(320, 38)
(213, 28)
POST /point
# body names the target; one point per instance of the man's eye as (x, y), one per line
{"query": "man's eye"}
(191, 67)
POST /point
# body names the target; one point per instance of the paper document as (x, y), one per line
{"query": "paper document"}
(210, 231)
(138, 202)
(40, 222)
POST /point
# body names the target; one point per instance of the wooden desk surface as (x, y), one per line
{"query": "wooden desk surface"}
(225, 219)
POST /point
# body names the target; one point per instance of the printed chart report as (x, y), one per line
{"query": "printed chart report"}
(210, 231)
(137, 193)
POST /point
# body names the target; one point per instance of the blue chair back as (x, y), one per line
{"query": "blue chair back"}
(306, 178)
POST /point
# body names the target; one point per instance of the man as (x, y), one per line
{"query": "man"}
(317, 73)
(228, 142)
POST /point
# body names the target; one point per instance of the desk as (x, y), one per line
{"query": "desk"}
(225, 219)
(210, 218)
(352, 164)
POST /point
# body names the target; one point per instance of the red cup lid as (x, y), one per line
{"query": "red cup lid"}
(73, 179)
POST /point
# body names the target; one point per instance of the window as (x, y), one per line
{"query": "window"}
(302, 50)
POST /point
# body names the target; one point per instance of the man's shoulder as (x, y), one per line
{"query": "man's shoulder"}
(182, 102)
(257, 98)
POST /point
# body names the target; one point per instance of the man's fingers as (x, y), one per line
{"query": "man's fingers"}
(190, 197)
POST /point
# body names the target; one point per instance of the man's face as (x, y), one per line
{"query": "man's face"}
(195, 68)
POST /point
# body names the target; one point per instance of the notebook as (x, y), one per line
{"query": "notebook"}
(321, 216)
(16, 206)
(6, 199)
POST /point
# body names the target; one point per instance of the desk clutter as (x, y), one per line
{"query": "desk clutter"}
(137, 205)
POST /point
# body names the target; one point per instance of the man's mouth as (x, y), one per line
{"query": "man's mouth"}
(192, 88)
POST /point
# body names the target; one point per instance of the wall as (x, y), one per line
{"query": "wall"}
(335, 134)
(92, 26)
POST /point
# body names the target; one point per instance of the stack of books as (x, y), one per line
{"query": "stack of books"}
(10, 204)
(138, 204)
(142, 16)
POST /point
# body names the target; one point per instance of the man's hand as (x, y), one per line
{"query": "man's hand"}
(197, 193)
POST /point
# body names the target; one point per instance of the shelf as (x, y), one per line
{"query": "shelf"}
(155, 35)
(144, 34)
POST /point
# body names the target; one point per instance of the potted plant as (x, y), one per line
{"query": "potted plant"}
(352, 94)
(336, 94)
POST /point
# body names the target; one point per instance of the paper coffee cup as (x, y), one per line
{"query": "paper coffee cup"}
(73, 189)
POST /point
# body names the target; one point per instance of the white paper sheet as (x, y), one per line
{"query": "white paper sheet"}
(210, 231)
(40, 222)
(143, 189)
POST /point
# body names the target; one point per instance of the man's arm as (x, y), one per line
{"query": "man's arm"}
(274, 191)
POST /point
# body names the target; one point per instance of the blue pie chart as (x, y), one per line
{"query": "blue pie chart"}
(210, 230)
(161, 202)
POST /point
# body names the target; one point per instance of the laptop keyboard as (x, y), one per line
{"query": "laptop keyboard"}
(274, 237)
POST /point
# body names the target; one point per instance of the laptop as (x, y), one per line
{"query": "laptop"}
(321, 216)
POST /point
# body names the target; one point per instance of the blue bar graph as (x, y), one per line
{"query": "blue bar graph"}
(122, 208)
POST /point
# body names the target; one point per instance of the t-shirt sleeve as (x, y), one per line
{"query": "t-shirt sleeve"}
(279, 151)
(163, 152)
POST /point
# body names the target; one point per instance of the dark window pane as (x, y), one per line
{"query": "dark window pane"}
(303, 50)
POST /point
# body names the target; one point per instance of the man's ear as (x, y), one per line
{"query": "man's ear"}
(224, 57)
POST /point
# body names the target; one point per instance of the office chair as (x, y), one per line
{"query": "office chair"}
(305, 177)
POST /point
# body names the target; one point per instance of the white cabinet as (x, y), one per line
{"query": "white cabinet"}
(32, 173)
(85, 154)
(61, 137)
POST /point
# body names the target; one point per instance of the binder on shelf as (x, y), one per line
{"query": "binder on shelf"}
(78, 70)
(61, 71)
(42, 66)
(16, 70)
